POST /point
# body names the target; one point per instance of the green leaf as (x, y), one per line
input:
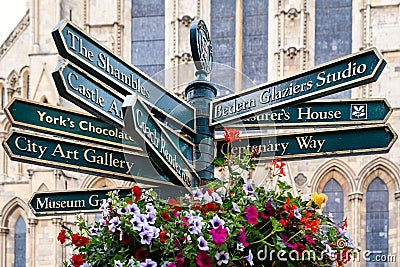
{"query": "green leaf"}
(219, 162)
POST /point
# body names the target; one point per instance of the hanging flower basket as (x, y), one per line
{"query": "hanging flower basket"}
(228, 223)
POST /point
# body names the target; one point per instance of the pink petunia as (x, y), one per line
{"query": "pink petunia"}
(251, 215)
(219, 235)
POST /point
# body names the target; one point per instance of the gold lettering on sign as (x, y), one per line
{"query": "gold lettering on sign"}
(47, 203)
(308, 142)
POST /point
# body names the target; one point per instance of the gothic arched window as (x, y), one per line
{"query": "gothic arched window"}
(377, 221)
(20, 243)
(148, 36)
(333, 33)
(335, 200)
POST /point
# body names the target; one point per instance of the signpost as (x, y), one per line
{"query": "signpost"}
(101, 101)
(335, 76)
(82, 201)
(321, 113)
(75, 45)
(65, 122)
(314, 144)
(129, 107)
(66, 202)
(152, 137)
(73, 155)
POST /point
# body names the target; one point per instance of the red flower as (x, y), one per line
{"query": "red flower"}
(278, 166)
(283, 222)
(203, 260)
(163, 236)
(172, 202)
(126, 239)
(79, 241)
(62, 236)
(344, 225)
(141, 254)
(136, 192)
(165, 216)
(77, 260)
(231, 135)
(209, 207)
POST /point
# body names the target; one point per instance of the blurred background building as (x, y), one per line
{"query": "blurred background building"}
(254, 41)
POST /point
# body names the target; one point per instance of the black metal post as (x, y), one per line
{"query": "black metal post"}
(199, 94)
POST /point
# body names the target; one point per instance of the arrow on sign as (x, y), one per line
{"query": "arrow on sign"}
(315, 144)
(151, 136)
(75, 45)
(103, 102)
(335, 76)
(62, 121)
(56, 152)
(67, 202)
(321, 113)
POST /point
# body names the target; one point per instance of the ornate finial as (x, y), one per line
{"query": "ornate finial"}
(200, 43)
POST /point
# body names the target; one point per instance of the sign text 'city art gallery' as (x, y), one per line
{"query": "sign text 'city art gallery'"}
(58, 152)
(335, 76)
(75, 45)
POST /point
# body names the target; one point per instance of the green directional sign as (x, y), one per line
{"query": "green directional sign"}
(151, 136)
(321, 113)
(89, 200)
(335, 76)
(78, 47)
(52, 151)
(100, 100)
(346, 141)
(62, 121)
(66, 202)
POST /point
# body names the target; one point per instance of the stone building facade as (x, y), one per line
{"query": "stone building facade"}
(254, 42)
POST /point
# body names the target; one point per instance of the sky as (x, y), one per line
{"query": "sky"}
(12, 12)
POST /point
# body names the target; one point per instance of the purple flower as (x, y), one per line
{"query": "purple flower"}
(251, 215)
(248, 187)
(242, 237)
(216, 198)
(114, 222)
(180, 259)
(122, 211)
(146, 237)
(137, 222)
(203, 260)
(203, 245)
(297, 214)
(309, 239)
(268, 212)
(133, 209)
(148, 263)
(219, 235)
(197, 194)
(151, 218)
(216, 221)
(117, 263)
(222, 257)
(249, 258)
(235, 207)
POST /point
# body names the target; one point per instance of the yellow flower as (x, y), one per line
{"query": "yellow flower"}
(319, 199)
